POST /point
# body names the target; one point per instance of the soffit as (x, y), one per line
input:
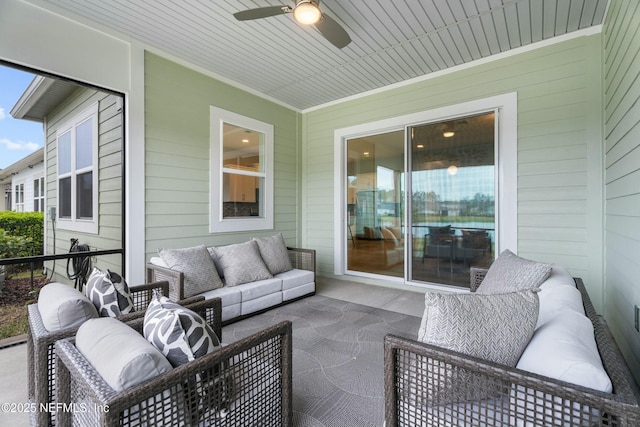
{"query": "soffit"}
(393, 41)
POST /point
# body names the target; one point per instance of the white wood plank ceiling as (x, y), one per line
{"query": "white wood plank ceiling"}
(392, 41)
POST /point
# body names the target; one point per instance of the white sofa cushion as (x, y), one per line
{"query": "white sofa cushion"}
(135, 361)
(294, 278)
(557, 300)
(259, 289)
(559, 276)
(228, 294)
(564, 348)
(62, 306)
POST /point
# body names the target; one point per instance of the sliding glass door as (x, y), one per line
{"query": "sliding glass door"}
(452, 217)
(421, 200)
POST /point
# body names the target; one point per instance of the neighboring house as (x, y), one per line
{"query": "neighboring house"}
(23, 184)
(573, 145)
(83, 181)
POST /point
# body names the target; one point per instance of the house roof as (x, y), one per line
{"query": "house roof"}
(41, 96)
(26, 162)
(392, 41)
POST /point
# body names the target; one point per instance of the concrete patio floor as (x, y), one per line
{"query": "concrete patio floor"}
(13, 359)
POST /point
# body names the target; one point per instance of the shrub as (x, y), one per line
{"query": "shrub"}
(29, 225)
(14, 247)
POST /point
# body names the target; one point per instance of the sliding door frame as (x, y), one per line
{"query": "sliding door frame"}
(505, 107)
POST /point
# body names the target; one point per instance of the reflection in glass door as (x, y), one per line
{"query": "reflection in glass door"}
(452, 198)
(375, 204)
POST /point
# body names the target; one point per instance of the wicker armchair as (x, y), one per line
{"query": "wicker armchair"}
(503, 396)
(247, 383)
(41, 354)
(303, 259)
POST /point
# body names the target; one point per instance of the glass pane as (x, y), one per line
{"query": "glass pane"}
(64, 192)
(84, 144)
(242, 196)
(84, 196)
(36, 188)
(242, 148)
(452, 198)
(64, 153)
(375, 204)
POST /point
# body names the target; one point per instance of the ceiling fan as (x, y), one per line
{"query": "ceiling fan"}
(305, 12)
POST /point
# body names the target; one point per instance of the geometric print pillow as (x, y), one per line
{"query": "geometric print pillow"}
(179, 333)
(109, 292)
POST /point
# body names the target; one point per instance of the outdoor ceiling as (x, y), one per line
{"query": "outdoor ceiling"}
(392, 41)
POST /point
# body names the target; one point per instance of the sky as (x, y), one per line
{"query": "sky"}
(18, 138)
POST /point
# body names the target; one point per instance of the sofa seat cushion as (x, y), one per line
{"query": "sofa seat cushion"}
(294, 278)
(62, 306)
(260, 288)
(261, 303)
(564, 348)
(121, 356)
(228, 294)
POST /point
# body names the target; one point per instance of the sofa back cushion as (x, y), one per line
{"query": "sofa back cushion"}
(121, 356)
(62, 306)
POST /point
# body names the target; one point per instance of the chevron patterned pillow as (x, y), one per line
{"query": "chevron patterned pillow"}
(511, 273)
(496, 328)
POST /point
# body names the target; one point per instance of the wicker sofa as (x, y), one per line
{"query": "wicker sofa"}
(244, 383)
(497, 395)
(246, 299)
(41, 350)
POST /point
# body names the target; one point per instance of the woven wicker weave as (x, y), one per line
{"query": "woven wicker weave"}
(303, 259)
(41, 354)
(245, 383)
(522, 398)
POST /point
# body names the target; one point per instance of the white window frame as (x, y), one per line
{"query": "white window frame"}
(83, 225)
(217, 223)
(40, 199)
(19, 201)
(506, 108)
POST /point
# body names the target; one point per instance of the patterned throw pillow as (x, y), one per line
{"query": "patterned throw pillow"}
(510, 273)
(179, 333)
(273, 250)
(496, 328)
(109, 292)
(200, 274)
(242, 263)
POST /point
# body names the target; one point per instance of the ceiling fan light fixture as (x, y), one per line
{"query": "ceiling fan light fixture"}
(307, 12)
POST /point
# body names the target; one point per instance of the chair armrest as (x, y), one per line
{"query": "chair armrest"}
(477, 276)
(303, 259)
(142, 294)
(175, 278)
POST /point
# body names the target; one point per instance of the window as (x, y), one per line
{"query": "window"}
(38, 194)
(19, 197)
(241, 173)
(77, 156)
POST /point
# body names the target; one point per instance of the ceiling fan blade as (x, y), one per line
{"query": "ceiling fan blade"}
(332, 31)
(261, 12)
